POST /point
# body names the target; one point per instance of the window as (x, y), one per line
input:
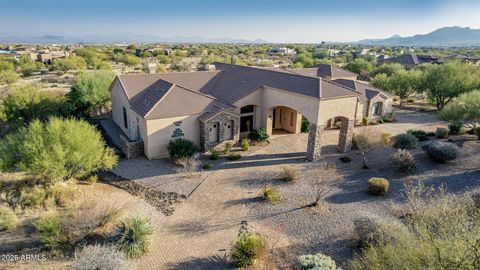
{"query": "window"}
(377, 108)
(246, 109)
(246, 123)
(125, 120)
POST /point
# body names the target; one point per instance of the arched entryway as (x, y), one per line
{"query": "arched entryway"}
(286, 121)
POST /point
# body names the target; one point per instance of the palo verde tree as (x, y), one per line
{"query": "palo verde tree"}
(444, 82)
(464, 110)
(23, 104)
(404, 83)
(55, 150)
(366, 141)
(89, 94)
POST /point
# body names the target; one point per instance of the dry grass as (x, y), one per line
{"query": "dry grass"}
(290, 174)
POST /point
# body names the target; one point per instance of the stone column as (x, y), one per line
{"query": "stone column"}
(346, 135)
(314, 146)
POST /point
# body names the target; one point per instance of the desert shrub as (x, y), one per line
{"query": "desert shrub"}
(370, 229)
(182, 148)
(420, 134)
(214, 154)
(290, 174)
(258, 135)
(365, 142)
(386, 137)
(455, 128)
(387, 118)
(8, 219)
(410, 100)
(227, 148)
(441, 151)
(247, 249)
(207, 166)
(440, 231)
(441, 133)
(365, 121)
(270, 194)
(316, 262)
(378, 186)
(32, 196)
(234, 156)
(345, 159)
(71, 227)
(50, 230)
(64, 193)
(135, 237)
(403, 161)
(99, 257)
(245, 144)
(405, 141)
(58, 149)
(92, 179)
(187, 165)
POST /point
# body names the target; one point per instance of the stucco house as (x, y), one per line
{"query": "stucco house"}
(211, 108)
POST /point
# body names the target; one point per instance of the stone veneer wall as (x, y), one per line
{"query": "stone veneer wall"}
(221, 118)
(346, 135)
(131, 149)
(314, 146)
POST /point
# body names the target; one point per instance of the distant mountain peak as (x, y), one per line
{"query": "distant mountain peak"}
(443, 37)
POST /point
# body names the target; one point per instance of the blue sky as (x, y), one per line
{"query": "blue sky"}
(275, 21)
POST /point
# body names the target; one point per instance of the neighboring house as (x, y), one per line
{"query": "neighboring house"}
(211, 108)
(283, 51)
(466, 59)
(412, 60)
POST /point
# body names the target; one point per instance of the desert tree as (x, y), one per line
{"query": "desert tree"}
(366, 141)
(464, 110)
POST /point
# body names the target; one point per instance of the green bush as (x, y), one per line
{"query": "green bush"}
(441, 133)
(207, 166)
(58, 149)
(378, 186)
(214, 154)
(233, 156)
(258, 135)
(270, 194)
(305, 125)
(455, 128)
(8, 219)
(135, 237)
(245, 144)
(387, 118)
(386, 137)
(227, 148)
(441, 151)
(420, 134)
(182, 148)
(99, 257)
(247, 249)
(403, 161)
(405, 141)
(51, 231)
(365, 121)
(316, 262)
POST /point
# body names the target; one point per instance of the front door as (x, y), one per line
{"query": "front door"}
(213, 135)
(228, 130)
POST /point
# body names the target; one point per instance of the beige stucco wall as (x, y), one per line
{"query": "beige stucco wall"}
(119, 100)
(330, 108)
(160, 133)
(255, 99)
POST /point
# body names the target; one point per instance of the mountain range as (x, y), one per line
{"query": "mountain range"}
(454, 36)
(118, 38)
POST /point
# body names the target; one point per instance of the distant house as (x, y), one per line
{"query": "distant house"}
(466, 59)
(223, 105)
(412, 60)
(283, 51)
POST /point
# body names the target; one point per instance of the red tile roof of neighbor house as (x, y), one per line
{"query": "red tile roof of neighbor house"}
(165, 95)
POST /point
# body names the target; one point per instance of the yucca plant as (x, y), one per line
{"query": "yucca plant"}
(247, 249)
(135, 237)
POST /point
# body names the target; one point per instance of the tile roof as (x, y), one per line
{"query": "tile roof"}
(324, 70)
(366, 91)
(164, 95)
